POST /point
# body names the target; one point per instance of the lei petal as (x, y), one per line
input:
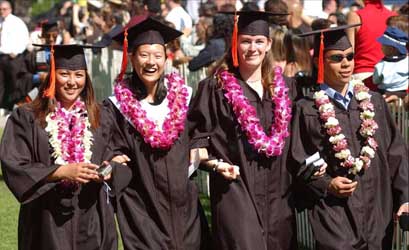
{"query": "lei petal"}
(69, 145)
(247, 116)
(157, 137)
(338, 140)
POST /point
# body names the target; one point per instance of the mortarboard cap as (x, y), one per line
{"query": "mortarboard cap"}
(70, 56)
(332, 38)
(143, 30)
(146, 30)
(249, 23)
(396, 38)
(254, 22)
(49, 25)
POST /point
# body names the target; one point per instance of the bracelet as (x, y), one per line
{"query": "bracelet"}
(216, 165)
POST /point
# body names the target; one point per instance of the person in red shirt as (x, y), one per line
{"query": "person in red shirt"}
(363, 38)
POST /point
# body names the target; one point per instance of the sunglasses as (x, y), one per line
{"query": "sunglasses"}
(339, 57)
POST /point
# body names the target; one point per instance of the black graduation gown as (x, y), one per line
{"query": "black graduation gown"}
(50, 219)
(157, 205)
(364, 220)
(255, 211)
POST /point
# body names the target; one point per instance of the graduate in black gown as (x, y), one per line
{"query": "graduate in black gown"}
(249, 182)
(36, 65)
(49, 154)
(352, 205)
(157, 204)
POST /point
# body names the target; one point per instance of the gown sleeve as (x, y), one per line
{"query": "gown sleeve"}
(121, 174)
(202, 116)
(301, 148)
(23, 174)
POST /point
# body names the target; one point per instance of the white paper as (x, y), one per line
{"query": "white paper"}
(195, 163)
(319, 163)
(313, 158)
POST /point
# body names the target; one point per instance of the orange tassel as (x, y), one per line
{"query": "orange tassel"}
(320, 79)
(124, 56)
(50, 91)
(234, 42)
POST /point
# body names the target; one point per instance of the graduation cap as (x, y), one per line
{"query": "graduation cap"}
(49, 25)
(143, 30)
(249, 23)
(332, 38)
(70, 56)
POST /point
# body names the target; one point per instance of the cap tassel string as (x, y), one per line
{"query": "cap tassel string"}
(124, 56)
(50, 91)
(234, 42)
(320, 79)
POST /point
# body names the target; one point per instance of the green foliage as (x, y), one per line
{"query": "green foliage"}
(41, 6)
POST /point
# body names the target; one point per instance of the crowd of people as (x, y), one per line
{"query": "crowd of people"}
(79, 167)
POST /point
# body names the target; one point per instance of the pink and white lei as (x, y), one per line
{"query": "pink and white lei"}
(156, 137)
(70, 134)
(247, 116)
(338, 140)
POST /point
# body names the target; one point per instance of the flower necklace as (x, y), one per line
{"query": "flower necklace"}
(247, 116)
(338, 140)
(70, 135)
(162, 138)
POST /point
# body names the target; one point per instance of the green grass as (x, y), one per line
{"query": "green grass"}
(205, 201)
(9, 208)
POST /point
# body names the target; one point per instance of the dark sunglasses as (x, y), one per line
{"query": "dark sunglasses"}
(339, 57)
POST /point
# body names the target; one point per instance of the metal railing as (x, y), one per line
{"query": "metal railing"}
(104, 68)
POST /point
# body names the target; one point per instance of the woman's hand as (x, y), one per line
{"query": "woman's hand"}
(229, 172)
(403, 209)
(121, 159)
(78, 172)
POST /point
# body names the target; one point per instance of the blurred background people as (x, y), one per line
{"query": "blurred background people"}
(368, 52)
(14, 38)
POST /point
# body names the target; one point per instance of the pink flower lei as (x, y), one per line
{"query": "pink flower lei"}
(70, 136)
(161, 138)
(338, 140)
(247, 116)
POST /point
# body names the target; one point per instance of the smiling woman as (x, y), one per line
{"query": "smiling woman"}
(240, 117)
(49, 154)
(158, 206)
(69, 85)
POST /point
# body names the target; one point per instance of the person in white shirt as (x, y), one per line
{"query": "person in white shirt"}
(14, 38)
(178, 16)
(328, 7)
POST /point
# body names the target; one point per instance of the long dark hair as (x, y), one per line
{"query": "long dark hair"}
(138, 88)
(41, 106)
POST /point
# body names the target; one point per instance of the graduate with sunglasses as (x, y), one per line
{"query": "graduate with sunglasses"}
(352, 205)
